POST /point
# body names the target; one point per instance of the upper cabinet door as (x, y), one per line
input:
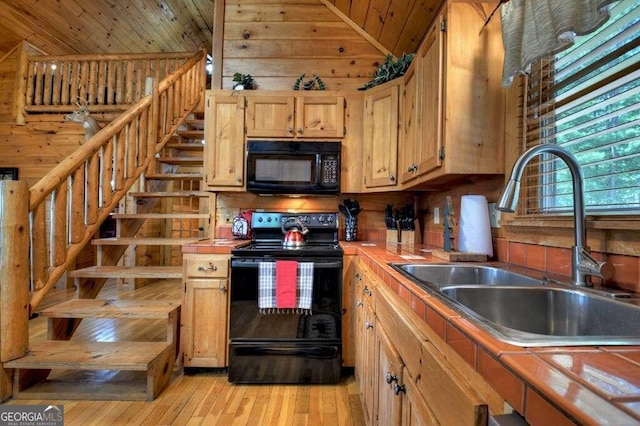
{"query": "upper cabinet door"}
(380, 136)
(224, 142)
(320, 116)
(431, 76)
(270, 116)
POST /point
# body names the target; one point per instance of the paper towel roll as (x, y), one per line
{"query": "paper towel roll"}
(474, 232)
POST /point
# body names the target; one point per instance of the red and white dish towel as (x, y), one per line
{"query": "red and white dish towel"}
(285, 286)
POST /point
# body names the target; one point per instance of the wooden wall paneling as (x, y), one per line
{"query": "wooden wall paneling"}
(419, 19)
(397, 16)
(275, 42)
(376, 16)
(358, 11)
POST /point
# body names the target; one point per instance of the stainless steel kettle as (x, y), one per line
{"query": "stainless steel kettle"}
(294, 238)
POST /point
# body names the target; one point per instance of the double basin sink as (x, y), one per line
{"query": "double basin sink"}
(525, 311)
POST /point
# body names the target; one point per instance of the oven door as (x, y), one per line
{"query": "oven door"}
(285, 347)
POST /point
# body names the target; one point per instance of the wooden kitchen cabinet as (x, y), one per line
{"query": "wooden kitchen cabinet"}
(350, 278)
(416, 378)
(204, 318)
(380, 136)
(224, 141)
(455, 126)
(295, 116)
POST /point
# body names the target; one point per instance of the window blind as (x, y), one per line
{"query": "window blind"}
(587, 99)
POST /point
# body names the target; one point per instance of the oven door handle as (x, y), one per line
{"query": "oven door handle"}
(254, 264)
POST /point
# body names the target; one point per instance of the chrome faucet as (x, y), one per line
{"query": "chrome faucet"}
(582, 263)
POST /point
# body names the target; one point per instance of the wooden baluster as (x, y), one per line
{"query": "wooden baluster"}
(39, 246)
(111, 82)
(120, 155)
(102, 85)
(107, 173)
(128, 93)
(132, 139)
(37, 96)
(77, 205)
(64, 68)
(59, 215)
(92, 83)
(93, 189)
(83, 89)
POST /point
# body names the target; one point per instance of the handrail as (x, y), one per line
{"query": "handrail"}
(67, 206)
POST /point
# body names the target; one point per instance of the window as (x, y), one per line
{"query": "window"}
(587, 99)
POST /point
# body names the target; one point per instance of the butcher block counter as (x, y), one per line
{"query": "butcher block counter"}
(548, 385)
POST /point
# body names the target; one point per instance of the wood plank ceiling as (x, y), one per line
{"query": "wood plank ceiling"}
(126, 26)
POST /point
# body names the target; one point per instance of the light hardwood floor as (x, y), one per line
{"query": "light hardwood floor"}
(201, 398)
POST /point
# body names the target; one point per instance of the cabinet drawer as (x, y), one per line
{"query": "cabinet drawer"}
(207, 267)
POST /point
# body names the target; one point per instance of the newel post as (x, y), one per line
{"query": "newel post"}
(152, 88)
(14, 276)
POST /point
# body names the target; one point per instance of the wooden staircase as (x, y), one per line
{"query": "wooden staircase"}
(168, 212)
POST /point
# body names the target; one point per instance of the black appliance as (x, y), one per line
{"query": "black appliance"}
(297, 346)
(293, 168)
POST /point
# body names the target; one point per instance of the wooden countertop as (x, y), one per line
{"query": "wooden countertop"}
(550, 385)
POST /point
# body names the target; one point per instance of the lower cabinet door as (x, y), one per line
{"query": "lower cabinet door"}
(204, 322)
(389, 381)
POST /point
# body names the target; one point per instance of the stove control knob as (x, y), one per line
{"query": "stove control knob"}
(260, 219)
(321, 218)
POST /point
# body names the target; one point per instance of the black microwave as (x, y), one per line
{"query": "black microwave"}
(293, 168)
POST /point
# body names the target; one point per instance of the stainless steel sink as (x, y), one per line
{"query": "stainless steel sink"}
(543, 316)
(525, 311)
(445, 274)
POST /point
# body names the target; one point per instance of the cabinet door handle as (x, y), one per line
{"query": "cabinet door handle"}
(359, 304)
(299, 131)
(366, 291)
(211, 267)
(392, 178)
(290, 129)
(358, 277)
(398, 389)
(222, 288)
(391, 378)
(368, 325)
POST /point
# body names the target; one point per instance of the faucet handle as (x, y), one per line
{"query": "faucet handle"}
(589, 265)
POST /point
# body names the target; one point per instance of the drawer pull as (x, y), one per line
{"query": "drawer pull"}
(211, 267)
(391, 378)
(358, 304)
(366, 291)
(398, 389)
(222, 288)
(368, 325)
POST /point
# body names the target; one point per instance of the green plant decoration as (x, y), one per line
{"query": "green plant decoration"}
(309, 84)
(243, 82)
(389, 70)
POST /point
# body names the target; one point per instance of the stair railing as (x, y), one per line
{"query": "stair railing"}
(106, 83)
(66, 207)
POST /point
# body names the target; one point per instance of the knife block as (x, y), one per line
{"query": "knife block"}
(404, 236)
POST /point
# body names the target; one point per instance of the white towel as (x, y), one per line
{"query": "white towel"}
(267, 288)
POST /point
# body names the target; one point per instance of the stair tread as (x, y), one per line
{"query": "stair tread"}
(185, 146)
(192, 134)
(68, 354)
(160, 215)
(112, 308)
(128, 271)
(182, 161)
(166, 194)
(174, 176)
(115, 241)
